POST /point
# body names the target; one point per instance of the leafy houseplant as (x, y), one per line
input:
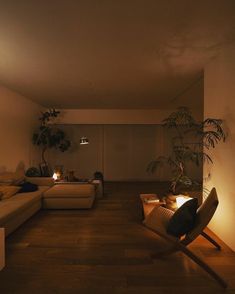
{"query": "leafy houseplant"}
(191, 142)
(33, 172)
(49, 136)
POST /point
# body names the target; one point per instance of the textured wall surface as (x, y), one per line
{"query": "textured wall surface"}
(220, 102)
(18, 117)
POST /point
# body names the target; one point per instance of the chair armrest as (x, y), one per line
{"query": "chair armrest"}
(41, 181)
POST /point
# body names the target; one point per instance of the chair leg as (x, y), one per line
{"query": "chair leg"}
(211, 240)
(179, 246)
(204, 265)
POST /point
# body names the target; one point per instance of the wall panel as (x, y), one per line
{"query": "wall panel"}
(121, 152)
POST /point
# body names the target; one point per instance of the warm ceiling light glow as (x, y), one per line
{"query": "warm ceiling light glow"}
(180, 200)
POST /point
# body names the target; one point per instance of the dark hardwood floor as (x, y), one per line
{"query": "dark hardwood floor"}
(106, 250)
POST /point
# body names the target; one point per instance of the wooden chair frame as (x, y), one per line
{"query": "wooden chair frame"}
(205, 213)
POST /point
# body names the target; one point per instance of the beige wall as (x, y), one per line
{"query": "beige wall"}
(112, 116)
(18, 115)
(220, 102)
(120, 116)
(194, 92)
(122, 141)
(121, 152)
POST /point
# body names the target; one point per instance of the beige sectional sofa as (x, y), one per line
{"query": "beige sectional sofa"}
(70, 196)
(17, 209)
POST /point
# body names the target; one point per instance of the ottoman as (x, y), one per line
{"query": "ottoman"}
(69, 196)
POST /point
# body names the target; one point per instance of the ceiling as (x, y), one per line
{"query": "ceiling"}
(111, 54)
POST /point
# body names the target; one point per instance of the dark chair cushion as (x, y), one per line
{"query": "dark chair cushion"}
(183, 220)
(28, 187)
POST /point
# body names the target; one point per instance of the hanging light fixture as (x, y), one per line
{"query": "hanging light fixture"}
(84, 141)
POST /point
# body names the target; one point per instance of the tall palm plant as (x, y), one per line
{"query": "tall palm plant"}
(49, 136)
(203, 136)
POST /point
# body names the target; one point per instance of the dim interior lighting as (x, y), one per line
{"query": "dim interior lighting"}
(84, 141)
(180, 200)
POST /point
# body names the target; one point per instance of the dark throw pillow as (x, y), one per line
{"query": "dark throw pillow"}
(183, 219)
(28, 187)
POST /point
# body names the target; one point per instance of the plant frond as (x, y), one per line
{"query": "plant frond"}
(215, 124)
(207, 158)
(181, 117)
(156, 163)
(211, 138)
(203, 136)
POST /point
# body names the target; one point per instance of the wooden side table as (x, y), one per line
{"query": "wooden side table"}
(149, 202)
(2, 248)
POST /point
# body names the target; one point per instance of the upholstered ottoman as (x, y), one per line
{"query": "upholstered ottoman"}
(69, 196)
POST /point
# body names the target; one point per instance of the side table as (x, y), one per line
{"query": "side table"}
(149, 202)
(2, 248)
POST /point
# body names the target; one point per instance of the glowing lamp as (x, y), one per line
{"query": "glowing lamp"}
(55, 176)
(180, 200)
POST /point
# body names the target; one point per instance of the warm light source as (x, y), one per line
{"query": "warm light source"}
(180, 200)
(55, 176)
(84, 141)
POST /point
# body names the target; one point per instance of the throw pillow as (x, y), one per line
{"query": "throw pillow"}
(8, 191)
(183, 219)
(28, 187)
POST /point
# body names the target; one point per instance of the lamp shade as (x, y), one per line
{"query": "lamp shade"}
(84, 141)
(180, 200)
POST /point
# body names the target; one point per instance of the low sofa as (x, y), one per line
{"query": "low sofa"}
(20, 207)
(17, 209)
(69, 196)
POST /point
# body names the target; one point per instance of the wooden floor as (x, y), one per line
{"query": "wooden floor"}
(105, 250)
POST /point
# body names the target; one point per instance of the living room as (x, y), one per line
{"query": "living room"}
(115, 71)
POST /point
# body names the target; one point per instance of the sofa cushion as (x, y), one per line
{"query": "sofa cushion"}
(18, 203)
(41, 181)
(8, 191)
(28, 187)
(70, 191)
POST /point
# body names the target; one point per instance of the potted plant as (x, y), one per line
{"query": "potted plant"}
(49, 136)
(190, 142)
